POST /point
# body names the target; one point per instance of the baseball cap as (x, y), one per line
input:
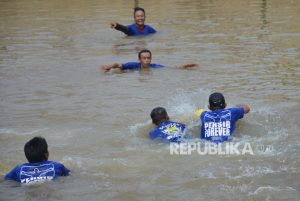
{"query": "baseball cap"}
(217, 100)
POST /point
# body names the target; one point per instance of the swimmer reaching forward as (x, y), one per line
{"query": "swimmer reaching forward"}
(219, 123)
(139, 28)
(145, 57)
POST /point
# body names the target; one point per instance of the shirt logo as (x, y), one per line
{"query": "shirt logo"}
(37, 174)
(172, 130)
(217, 125)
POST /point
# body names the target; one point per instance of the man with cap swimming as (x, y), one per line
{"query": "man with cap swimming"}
(219, 123)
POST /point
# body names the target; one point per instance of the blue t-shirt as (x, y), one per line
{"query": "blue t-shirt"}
(219, 125)
(137, 66)
(133, 30)
(37, 172)
(168, 131)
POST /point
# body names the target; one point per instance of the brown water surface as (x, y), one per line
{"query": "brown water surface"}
(97, 124)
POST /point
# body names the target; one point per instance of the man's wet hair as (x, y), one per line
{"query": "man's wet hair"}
(217, 101)
(137, 9)
(35, 149)
(144, 51)
(158, 115)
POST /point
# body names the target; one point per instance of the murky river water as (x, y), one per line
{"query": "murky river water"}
(97, 124)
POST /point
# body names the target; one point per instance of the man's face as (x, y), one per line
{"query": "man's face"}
(139, 17)
(145, 59)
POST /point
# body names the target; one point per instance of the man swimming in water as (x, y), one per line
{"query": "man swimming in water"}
(144, 57)
(38, 169)
(139, 28)
(166, 130)
(219, 123)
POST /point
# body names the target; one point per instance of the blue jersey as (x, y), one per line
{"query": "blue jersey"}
(137, 66)
(219, 125)
(37, 172)
(133, 30)
(168, 131)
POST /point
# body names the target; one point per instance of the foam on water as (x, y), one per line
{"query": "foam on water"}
(15, 131)
(134, 129)
(264, 121)
(262, 128)
(271, 188)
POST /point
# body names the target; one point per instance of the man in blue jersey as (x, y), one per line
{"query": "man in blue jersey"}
(39, 169)
(218, 125)
(139, 28)
(166, 130)
(144, 57)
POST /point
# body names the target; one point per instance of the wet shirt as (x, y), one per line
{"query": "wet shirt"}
(37, 172)
(133, 30)
(219, 125)
(168, 131)
(137, 66)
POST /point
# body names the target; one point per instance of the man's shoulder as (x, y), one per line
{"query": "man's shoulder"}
(237, 112)
(209, 114)
(156, 66)
(167, 125)
(131, 65)
(154, 133)
(218, 111)
(236, 109)
(57, 165)
(172, 123)
(146, 26)
(42, 163)
(154, 130)
(17, 168)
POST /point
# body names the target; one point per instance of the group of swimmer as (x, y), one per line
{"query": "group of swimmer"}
(139, 28)
(217, 124)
